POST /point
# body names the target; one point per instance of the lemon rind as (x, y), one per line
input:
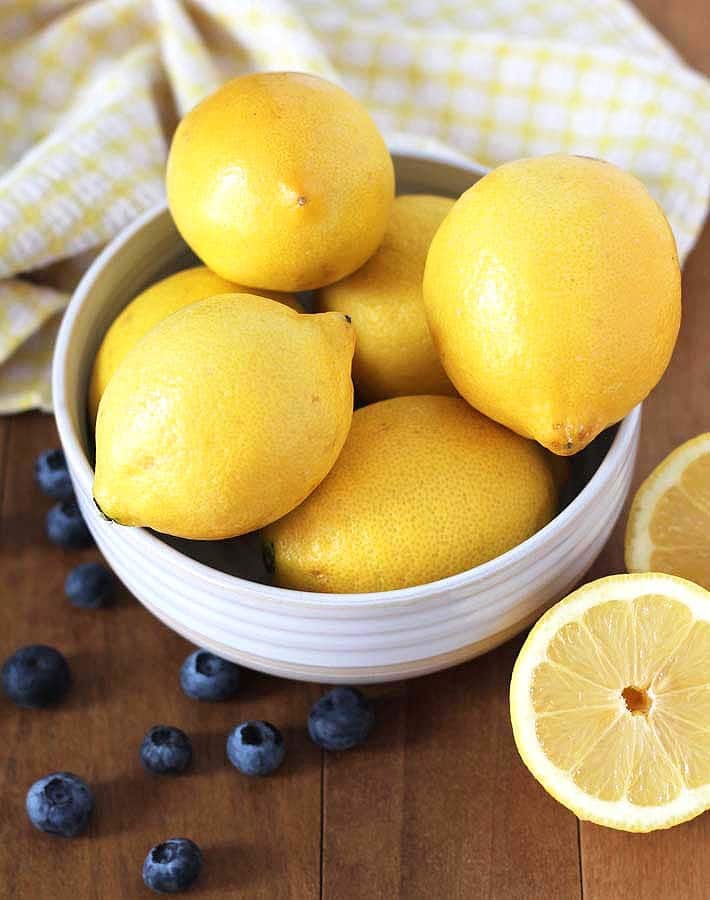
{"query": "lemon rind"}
(621, 814)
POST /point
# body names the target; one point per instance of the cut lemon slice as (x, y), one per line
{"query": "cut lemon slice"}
(669, 523)
(610, 701)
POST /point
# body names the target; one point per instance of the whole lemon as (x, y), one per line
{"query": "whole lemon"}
(424, 487)
(394, 354)
(152, 306)
(552, 291)
(223, 417)
(280, 180)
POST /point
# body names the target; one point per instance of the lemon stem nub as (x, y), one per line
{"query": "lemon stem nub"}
(637, 700)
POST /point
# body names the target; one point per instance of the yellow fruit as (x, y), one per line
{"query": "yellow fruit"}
(552, 291)
(152, 306)
(669, 524)
(610, 701)
(394, 354)
(280, 180)
(223, 417)
(425, 487)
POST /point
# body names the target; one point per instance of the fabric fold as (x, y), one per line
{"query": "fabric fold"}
(91, 89)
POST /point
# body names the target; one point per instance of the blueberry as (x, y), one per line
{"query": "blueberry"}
(205, 676)
(172, 866)
(35, 676)
(341, 719)
(60, 803)
(66, 526)
(52, 475)
(256, 748)
(89, 585)
(166, 749)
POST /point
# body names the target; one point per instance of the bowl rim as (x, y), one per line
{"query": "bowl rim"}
(149, 543)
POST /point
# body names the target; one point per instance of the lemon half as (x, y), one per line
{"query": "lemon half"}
(669, 523)
(610, 701)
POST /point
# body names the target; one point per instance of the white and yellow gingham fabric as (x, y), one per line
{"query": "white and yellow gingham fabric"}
(89, 92)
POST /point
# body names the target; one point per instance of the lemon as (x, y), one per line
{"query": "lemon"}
(152, 306)
(223, 417)
(424, 487)
(394, 354)
(552, 291)
(610, 701)
(280, 180)
(669, 524)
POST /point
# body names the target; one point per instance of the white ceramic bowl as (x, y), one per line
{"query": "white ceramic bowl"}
(321, 637)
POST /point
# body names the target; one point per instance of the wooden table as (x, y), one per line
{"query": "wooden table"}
(436, 806)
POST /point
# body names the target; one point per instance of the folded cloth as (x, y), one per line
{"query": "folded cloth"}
(90, 91)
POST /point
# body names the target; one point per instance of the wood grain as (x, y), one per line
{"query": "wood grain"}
(260, 837)
(442, 805)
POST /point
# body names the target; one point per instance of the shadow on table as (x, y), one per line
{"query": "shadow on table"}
(231, 867)
(116, 801)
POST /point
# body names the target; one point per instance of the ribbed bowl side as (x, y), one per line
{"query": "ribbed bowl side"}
(335, 638)
(305, 638)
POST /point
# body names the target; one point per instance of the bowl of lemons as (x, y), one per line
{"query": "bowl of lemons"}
(344, 413)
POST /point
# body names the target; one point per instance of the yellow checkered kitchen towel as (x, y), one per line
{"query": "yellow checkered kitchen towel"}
(90, 90)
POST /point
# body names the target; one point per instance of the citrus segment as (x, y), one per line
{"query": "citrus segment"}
(689, 665)
(605, 771)
(567, 737)
(559, 689)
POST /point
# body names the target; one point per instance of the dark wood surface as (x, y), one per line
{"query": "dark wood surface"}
(436, 806)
